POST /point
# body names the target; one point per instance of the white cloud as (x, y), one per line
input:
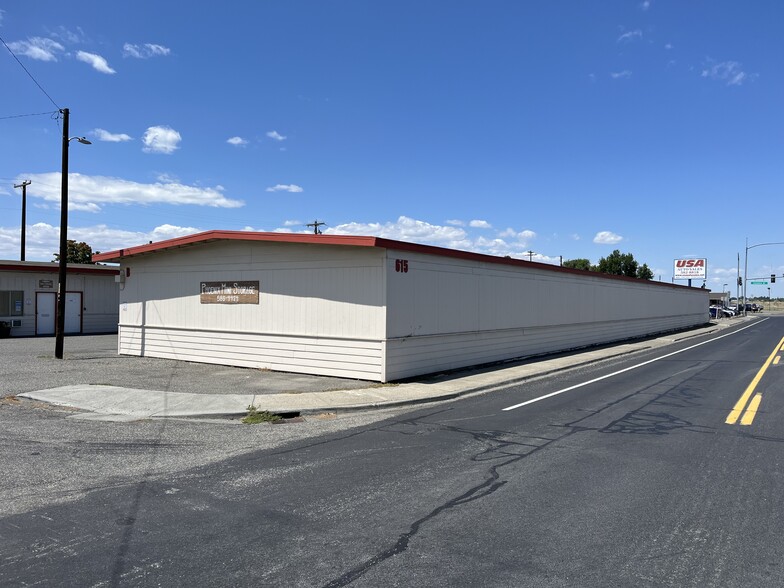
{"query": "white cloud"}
(144, 51)
(96, 61)
(620, 75)
(729, 72)
(285, 188)
(276, 136)
(293, 223)
(88, 193)
(646, 4)
(522, 237)
(42, 239)
(237, 141)
(668, 46)
(161, 139)
(407, 229)
(103, 135)
(630, 36)
(480, 224)
(509, 243)
(607, 238)
(40, 48)
(455, 223)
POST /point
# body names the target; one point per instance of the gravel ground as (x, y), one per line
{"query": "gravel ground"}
(28, 364)
(47, 458)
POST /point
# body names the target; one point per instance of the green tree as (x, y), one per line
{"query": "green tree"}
(581, 264)
(619, 264)
(77, 253)
(644, 272)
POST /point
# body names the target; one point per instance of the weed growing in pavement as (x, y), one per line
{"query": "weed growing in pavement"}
(256, 416)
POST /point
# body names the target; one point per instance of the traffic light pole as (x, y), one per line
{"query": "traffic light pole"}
(746, 268)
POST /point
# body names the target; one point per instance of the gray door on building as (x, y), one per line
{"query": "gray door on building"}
(73, 312)
(45, 308)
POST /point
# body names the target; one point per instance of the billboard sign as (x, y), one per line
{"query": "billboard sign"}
(686, 269)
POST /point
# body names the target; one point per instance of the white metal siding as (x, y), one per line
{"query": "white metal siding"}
(446, 313)
(347, 358)
(321, 308)
(407, 357)
(304, 290)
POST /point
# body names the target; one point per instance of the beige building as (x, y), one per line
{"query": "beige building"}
(371, 308)
(28, 298)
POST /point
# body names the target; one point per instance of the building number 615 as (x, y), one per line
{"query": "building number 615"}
(401, 265)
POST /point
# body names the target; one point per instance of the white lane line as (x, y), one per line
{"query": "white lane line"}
(628, 369)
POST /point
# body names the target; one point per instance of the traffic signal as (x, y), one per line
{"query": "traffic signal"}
(772, 278)
(740, 281)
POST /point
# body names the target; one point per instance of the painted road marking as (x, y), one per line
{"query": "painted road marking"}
(777, 360)
(634, 367)
(751, 411)
(734, 415)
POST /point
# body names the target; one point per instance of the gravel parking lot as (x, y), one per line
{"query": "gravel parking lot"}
(48, 458)
(28, 364)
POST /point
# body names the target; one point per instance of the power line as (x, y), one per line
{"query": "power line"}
(40, 87)
(33, 114)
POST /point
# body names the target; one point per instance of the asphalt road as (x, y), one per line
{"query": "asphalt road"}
(625, 473)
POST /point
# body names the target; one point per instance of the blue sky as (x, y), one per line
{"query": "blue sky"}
(566, 128)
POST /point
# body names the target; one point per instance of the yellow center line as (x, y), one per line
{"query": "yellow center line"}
(734, 415)
(751, 411)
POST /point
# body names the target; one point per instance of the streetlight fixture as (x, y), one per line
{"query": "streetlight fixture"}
(63, 267)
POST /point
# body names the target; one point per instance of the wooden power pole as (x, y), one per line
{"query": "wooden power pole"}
(23, 186)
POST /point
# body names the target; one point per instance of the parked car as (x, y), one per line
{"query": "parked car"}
(717, 311)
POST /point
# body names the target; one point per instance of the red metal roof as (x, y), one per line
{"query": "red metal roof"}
(54, 267)
(346, 240)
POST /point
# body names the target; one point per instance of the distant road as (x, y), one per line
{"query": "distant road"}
(659, 469)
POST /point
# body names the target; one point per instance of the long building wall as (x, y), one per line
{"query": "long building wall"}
(446, 313)
(379, 314)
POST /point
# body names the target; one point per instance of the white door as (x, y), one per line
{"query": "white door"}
(73, 313)
(45, 303)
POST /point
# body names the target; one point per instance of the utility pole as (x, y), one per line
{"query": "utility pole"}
(23, 186)
(63, 261)
(530, 255)
(316, 224)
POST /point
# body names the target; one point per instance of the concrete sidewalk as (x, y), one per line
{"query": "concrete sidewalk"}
(117, 403)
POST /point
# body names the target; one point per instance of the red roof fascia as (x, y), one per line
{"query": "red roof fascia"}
(209, 236)
(351, 240)
(12, 267)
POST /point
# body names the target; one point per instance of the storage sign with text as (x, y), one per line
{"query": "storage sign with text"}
(229, 292)
(686, 269)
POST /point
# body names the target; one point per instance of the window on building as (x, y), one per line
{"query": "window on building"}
(11, 302)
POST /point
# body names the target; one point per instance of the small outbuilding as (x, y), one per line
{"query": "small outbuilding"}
(28, 298)
(372, 308)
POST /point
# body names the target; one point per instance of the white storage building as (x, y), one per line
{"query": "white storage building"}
(28, 298)
(371, 308)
